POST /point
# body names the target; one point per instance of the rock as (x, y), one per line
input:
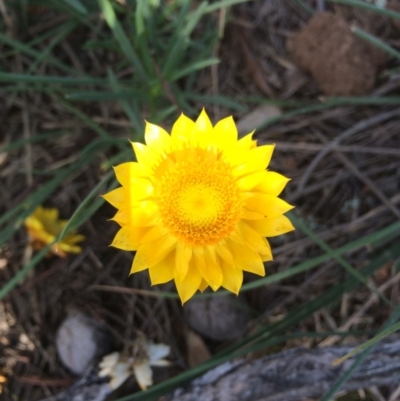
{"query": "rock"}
(219, 318)
(80, 341)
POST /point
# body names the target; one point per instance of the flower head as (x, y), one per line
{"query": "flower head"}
(197, 205)
(136, 360)
(43, 227)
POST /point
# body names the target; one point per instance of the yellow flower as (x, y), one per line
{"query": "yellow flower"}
(43, 226)
(197, 205)
(3, 380)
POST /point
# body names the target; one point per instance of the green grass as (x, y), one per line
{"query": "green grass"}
(165, 46)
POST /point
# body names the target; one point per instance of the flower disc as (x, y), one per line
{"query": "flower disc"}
(200, 203)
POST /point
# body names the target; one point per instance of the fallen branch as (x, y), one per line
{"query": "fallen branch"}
(293, 375)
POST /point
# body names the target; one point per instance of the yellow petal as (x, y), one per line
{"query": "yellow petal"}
(155, 251)
(246, 259)
(123, 197)
(253, 239)
(272, 184)
(122, 217)
(225, 133)
(43, 226)
(33, 223)
(267, 205)
(250, 215)
(258, 159)
(38, 212)
(182, 129)
(238, 153)
(236, 236)
(233, 278)
(139, 263)
(157, 138)
(247, 142)
(50, 214)
(203, 129)
(164, 271)
(267, 254)
(145, 156)
(125, 171)
(206, 262)
(272, 227)
(190, 284)
(67, 248)
(128, 238)
(144, 213)
(224, 253)
(248, 182)
(266, 257)
(117, 197)
(140, 189)
(73, 238)
(154, 233)
(183, 256)
(203, 285)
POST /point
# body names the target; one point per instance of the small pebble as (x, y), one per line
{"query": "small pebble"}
(80, 341)
(219, 318)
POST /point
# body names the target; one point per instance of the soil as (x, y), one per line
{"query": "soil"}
(341, 64)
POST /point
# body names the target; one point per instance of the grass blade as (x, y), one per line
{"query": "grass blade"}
(266, 335)
(77, 6)
(350, 269)
(359, 360)
(197, 65)
(181, 40)
(120, 36)
(380, 44)
(13, 282)
(23, 48)
(368, 6)
(224, 4)
(387, 233)
(28, 205)
(9, 77)
(131, 111)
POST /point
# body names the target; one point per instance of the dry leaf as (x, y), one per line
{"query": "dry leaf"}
(196, 349)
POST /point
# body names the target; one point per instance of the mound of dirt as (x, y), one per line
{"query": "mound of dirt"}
(341, 63)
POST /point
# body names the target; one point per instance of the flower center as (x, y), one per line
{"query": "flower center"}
(198, 198)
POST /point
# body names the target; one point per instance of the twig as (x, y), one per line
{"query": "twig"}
(362, 125)
(253, 66)
(356, 315)
(362, 177)
(316, 147)
(165, 85)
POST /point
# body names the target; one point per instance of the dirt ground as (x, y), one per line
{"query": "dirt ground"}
(344, 162)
